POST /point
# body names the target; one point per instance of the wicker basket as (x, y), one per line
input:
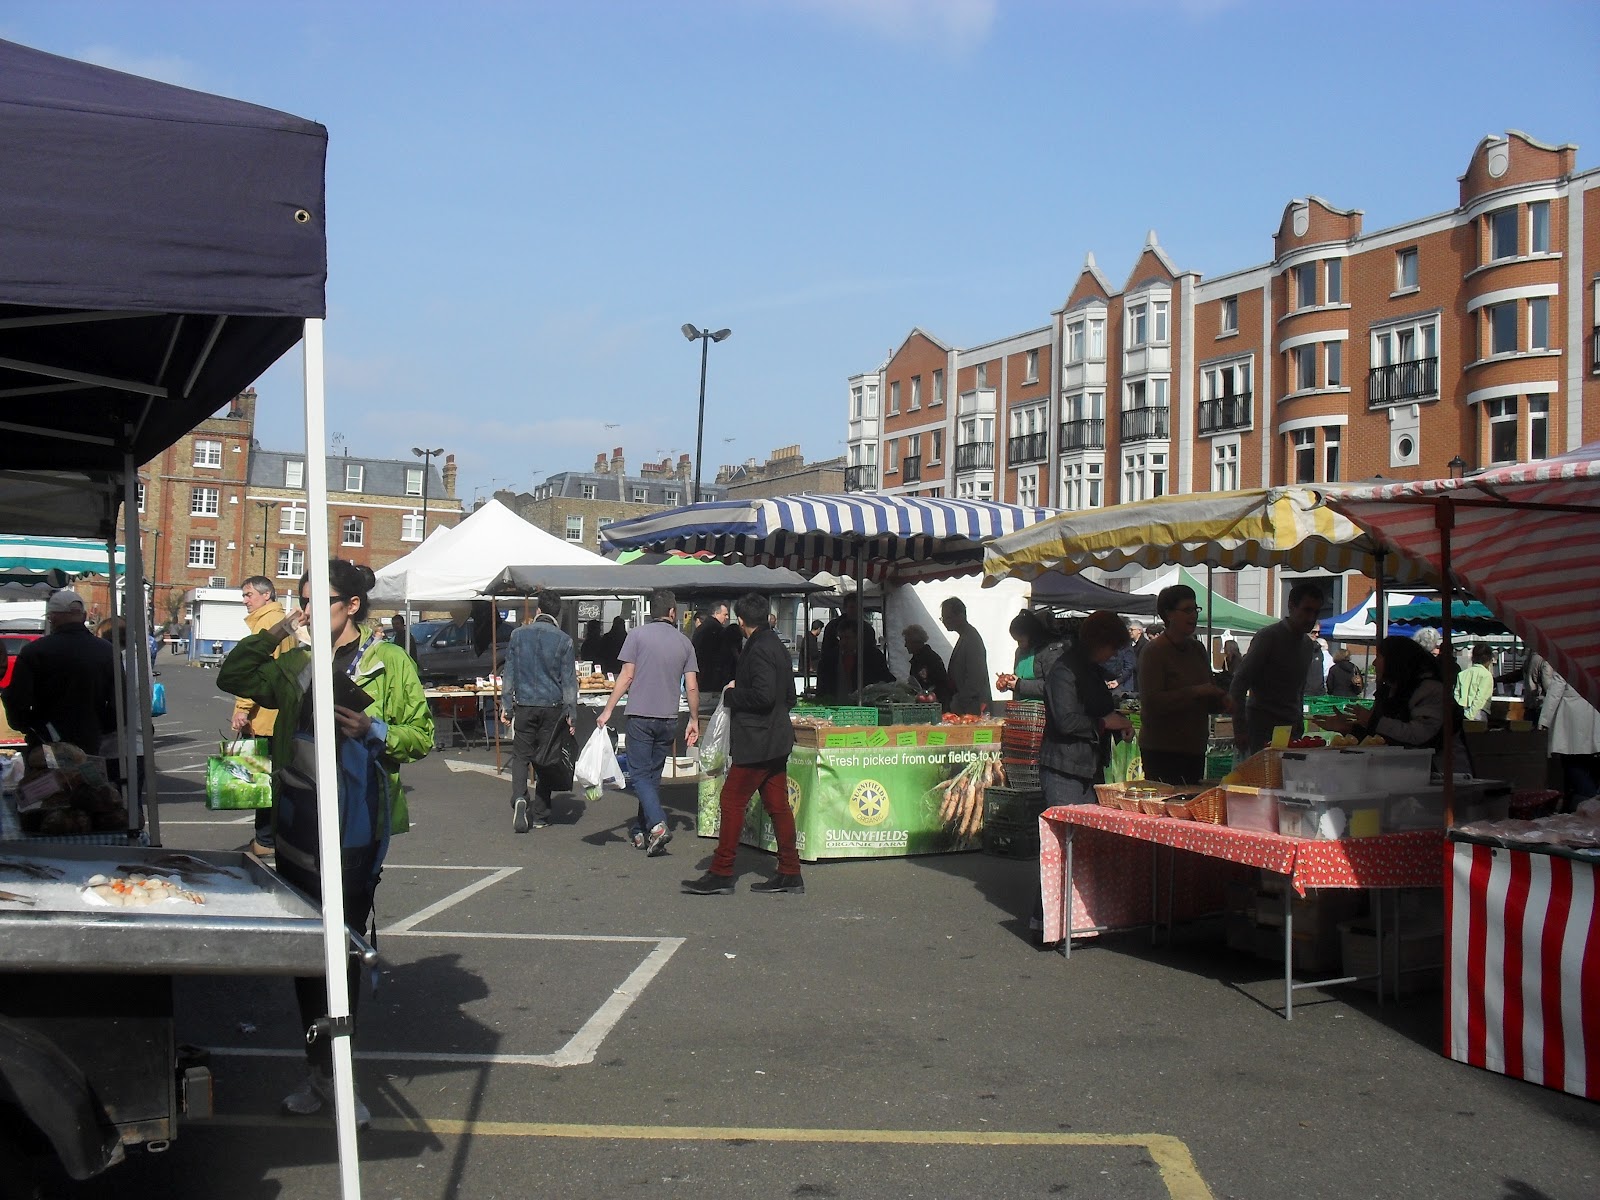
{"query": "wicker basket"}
(1262, 769)
(1108, 794)
(1207, 808)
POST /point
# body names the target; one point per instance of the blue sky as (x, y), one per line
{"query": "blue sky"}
(526, 200)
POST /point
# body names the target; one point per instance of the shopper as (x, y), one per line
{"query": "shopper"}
(1176, 693)
(716, 650)
(1408, 704)
(1574, 728)
(261, 611)
(760, 738)
(63, 687)
(969, 661)
(926, 671)
(1268, 688)
(394, 728)
(1475, 686)
(539, 697)
(1344, 677)
(658, 665)
(836, 680)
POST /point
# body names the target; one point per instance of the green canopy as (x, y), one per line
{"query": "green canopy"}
(1466, 616)
(36, 555)
(1223, 613)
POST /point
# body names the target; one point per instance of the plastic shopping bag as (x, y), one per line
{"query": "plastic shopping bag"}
(240, 776)
(158, 700)
(713, 748)
(597, 766)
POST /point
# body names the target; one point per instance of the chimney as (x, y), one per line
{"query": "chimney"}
(600, 463)
(683, 466)
(617, 467)
(449, 474)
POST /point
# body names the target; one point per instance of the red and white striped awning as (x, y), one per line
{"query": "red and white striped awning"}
(1523, 539)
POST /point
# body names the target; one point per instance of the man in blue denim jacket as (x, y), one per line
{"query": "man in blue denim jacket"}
(539, 684)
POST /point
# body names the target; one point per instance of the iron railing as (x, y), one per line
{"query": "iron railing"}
(911, 468)
(1142, 424)
(860, 479)
(1403, 380)
(1225, 412)
(1085, 433)
(975, 456)
(1028, 447)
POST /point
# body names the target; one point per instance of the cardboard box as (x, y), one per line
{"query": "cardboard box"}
(1520, 757)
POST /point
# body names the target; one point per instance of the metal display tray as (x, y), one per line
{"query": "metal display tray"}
(252, 923)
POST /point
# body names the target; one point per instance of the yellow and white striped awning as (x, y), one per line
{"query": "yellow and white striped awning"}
(1287, 527)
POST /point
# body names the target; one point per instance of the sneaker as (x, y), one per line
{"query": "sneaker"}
(316, 1094)
(519, 815)
(659, 837)
(637, 838)
(781, 883)
(261, 851)
(709, 885)
(539, 823)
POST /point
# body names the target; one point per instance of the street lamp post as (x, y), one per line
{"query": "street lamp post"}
(427, 457)
(705, 337)
(266, 507)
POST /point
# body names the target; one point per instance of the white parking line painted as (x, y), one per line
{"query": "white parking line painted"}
(405, 925)
(456, 764)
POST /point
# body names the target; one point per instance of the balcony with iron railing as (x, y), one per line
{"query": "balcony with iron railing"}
(911, 469)
(1084, 433)
(1027, 448)
(862, 478)
(975, 456)
(1144, 424)
(1407, 380)
(1225, 412)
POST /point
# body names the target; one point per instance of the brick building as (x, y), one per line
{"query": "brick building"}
(1468, 334)
(575, 505)
(785, 473)
(375, 510)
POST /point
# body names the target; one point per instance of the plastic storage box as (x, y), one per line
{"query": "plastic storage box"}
(1325, 772)
(1252, 807)
(1391, 768)
(1331, 817)
(1423, 807)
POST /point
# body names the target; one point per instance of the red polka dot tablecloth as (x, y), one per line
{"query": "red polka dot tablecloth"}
(1111, 870)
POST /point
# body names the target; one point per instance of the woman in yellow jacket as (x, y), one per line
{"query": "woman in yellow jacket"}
(395, 727)
(261, 611)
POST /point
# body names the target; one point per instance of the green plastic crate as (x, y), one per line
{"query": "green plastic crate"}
(909, 714)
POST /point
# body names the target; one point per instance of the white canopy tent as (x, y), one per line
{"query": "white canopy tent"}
(460, 564)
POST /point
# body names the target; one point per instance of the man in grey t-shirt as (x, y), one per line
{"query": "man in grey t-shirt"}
(1269, 684)
(657, 663)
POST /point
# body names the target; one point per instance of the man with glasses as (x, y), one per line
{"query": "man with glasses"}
(1269, 686)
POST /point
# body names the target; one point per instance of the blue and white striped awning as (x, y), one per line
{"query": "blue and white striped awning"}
(878, 537)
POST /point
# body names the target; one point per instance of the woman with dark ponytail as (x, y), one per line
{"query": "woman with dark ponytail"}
(381, 720)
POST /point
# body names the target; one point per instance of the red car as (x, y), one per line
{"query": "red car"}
(13, 640)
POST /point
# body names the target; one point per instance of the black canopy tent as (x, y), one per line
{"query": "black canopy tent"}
(690, 582)
(161, 248)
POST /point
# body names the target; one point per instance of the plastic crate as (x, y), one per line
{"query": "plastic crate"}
(1024, 777)
(839, 714)
(909, 714)
(1012, 806)
(1218, 764)
(1005, 839)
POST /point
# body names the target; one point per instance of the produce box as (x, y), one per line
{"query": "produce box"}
(1392, 767)
(1519, 756)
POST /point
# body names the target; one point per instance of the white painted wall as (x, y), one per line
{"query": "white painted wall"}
(989, 609)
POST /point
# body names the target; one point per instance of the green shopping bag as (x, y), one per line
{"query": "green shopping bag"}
(240, 776)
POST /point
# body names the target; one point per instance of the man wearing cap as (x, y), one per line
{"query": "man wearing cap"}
(63, 688)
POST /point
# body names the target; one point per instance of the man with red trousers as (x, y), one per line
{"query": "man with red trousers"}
(760, 738)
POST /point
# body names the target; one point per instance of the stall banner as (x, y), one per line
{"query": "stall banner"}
(1522, 956)
(869, 801)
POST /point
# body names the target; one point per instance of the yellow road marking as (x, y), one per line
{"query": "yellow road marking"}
(1171, 1155)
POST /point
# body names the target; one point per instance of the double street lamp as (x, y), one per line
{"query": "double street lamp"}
(705, 337)
(427, 457)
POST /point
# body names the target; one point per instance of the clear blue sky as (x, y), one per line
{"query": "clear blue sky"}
(526, 200)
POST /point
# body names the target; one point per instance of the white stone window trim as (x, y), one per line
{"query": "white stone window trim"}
(1342, 390)
(1551, 256)
(1505, 391)
(1309, 339)
(1301, 255)
(1342, 306)
(1299, 423)
(1528, 291)
(1524, 193)
(1511, 356)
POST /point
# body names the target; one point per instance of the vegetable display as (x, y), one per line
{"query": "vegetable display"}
(962, 806)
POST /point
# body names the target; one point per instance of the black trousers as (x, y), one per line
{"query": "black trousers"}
(536, 744)
(311, 993)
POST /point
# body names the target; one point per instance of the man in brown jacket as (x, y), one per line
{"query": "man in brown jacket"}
(262, 611)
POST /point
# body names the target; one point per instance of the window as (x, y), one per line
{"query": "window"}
(1335, 281)
(1230, 379)
(894, 396)
(1304, 442)
(1501, 320)
(141, 497)
(983, 375)
(916, 392)
(1330, 454)
(1136, 393)
(291, 520)
(1538, 426)
(1539, 227)
(1080, 485)
(207, 453)
(574, 529)
(291, 563)
(1230, 314)
(1405, 269)
(1305, 367)
(639, 495)
(413, 481)
(353, 474)
(1028, 488)
(891, 456)
(1144, 476)
(202, 552)
(1335, 364)
(1502, 233)
(353, 532)
(1075, 342)
(294, 473)
(855, 404)
(1158, 315)
(1305, 285)
(1138, 324)
(204, 501)
(589, 491)
(938, 386)
(1031, 375)
(914, 446)
(1097, 337)
(411, 527)
(1539, 323)
(670, 496)
(1502, 429)
(1225, 465)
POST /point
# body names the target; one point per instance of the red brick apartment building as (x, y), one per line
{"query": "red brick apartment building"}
(1468, 334)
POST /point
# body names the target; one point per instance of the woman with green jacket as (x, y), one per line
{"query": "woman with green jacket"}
(393, 728)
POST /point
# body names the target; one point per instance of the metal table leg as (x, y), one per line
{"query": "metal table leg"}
(1066, 902)
(1288, 954)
